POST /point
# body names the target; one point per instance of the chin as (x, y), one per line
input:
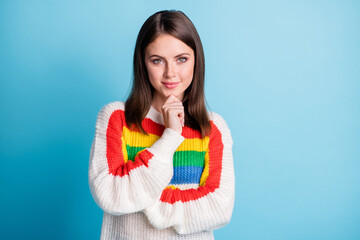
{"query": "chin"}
(167, 94)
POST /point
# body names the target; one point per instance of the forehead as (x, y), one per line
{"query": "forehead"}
(167, 45)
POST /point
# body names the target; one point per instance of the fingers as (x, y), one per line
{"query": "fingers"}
(173, 110)
(172, 102)
(182, 118)
(173, 107)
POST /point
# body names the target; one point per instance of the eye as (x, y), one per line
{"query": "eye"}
(182, 59)
(157, 61)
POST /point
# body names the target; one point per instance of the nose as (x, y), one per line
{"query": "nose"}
(169, 71)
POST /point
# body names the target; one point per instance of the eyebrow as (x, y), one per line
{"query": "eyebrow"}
(181, 54)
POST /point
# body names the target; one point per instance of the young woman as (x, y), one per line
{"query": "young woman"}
(161, 165)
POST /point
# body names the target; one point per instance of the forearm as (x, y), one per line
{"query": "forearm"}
(117, 184)
(208, 206)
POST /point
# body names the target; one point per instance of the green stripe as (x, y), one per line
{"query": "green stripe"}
(189, 158)
(181, 158)
(132, 151)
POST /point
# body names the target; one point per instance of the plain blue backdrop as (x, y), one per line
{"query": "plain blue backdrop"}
(285, 75)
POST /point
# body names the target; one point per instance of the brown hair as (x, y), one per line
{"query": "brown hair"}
(177, 24)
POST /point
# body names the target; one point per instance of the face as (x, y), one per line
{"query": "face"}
(170, 65)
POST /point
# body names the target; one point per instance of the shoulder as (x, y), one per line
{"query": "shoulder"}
(108, 110)
(218, 120)
(219, 126)
(111, 107)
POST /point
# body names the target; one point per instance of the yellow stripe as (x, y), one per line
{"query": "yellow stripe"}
(172, 187)
(137, 139)
(194, 144)
(205, 173)
(123, 145)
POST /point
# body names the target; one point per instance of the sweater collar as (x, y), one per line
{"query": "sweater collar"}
(155, 115)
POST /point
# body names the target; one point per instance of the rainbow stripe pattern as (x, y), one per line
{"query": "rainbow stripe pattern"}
(165, 175)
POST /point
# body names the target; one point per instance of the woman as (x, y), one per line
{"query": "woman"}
(161, 165)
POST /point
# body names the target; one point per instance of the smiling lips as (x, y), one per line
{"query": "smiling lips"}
(170, 85)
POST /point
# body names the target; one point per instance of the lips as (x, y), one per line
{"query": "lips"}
(170, 84)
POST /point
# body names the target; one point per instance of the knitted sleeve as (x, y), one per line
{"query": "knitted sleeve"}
(120, 186)
(209, 206)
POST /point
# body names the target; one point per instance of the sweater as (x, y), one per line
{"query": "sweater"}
(163, 185)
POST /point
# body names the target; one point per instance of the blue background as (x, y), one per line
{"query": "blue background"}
(285, 75)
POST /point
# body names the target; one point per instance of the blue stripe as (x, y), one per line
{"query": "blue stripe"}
(187, 174)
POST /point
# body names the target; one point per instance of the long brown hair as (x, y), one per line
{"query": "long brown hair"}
(177, 24)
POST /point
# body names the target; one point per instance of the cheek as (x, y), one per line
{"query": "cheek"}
(154, 73)
(188, 72)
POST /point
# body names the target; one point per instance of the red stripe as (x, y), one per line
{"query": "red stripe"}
(157, 129)
(188, 132)
(149, 126)
(152, 127)
(216, 147)
(114, 154)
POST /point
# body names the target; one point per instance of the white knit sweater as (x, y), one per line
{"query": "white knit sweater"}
(164, 185)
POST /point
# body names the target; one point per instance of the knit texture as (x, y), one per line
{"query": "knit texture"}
(164, 185)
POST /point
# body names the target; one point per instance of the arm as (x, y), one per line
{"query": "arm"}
(120, 186)
(209, 206)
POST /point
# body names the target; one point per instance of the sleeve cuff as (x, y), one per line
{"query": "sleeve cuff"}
(166, 145)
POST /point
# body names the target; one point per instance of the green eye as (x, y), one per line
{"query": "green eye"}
(183, 59)
(156, 61)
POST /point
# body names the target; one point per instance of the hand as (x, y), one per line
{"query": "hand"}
(173, 113)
